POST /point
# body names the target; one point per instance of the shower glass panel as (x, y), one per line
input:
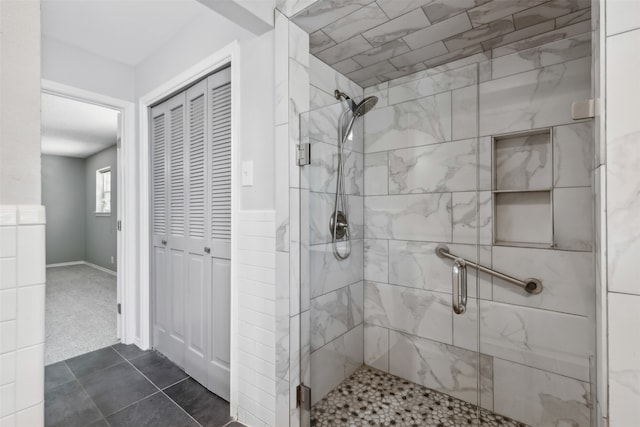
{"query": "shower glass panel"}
(486, 159)
(535, 222)
(379, 337)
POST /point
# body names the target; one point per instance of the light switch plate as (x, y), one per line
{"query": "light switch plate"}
(247, 173)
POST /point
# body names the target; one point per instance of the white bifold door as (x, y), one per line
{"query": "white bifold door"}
(191, 229)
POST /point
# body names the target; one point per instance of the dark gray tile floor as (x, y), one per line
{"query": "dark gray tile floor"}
(123, 386)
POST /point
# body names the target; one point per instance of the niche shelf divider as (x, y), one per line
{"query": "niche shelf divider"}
(522, 189)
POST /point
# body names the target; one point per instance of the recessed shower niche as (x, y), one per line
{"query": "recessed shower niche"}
(523, 189)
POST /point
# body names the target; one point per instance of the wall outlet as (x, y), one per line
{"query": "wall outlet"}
(112, 260)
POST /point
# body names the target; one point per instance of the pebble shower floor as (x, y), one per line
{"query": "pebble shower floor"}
(374, 398)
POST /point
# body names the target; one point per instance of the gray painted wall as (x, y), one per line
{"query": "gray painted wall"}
(63, 195)
(100, 231)
(74, 232)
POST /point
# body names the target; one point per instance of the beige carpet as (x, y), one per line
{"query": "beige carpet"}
(80, 311)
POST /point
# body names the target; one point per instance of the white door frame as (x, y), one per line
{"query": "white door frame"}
(126, 239)
(227, 55)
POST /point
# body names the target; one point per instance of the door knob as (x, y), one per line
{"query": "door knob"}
(207, 250)
(164, 242)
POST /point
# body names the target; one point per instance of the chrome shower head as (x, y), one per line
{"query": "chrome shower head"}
(360, 109)
(365, 106)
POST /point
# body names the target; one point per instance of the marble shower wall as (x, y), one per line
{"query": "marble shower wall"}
(335, 289)
(425, 155)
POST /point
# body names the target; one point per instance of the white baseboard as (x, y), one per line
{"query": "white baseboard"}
(88, 264)
(97, 267)
(65, 264)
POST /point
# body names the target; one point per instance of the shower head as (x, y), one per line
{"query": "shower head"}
(365, 106)
(358, 109)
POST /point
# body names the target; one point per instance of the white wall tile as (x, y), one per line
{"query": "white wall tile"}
(376, 347)
(418, 312)
(449, 80)
(334, 362)
(7, 368)
(31, 302)
(7, 336)
(8, 273)
(567, 278)
(533, 99)
(409, 124)
(539, 398)
(472, 217)
(335, 313)
(464, 116)
(8, 215)
(328, 273)
(521, 334)
(31, 215)
(624, 353)
(30, 417)
(8, 303)
(8, 421)
(622, 15)
(31, 255)
(8, 242)
(572, 218)
(450, 166)
(415, 264)
(623, 184)
(442, 367)
(376, 260)
(376, 174)
(425, 217)
(7, 399)
(573, 155)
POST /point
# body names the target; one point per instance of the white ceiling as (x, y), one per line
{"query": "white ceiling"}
(127, 31)
(76, 129)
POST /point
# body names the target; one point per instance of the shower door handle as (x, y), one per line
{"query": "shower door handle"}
(459, 283)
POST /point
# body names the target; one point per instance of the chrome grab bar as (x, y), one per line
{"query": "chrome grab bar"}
(459, 283)
(532, 286)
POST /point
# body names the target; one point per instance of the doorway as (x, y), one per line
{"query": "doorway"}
(80, 193)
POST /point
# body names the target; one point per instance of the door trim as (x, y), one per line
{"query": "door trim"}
(126, 242)
(227, 55)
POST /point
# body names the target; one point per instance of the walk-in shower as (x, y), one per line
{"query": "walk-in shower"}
(339, 220)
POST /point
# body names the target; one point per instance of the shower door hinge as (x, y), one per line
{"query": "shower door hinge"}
(304, 154)
(119, 308)
(303, 397)
(583, 109)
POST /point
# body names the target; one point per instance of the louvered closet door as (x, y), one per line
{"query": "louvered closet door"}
(191, 222)
(159, 226)
(219, 93)
(198, 283)
(177, 236)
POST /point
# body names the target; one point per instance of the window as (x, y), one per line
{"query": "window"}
(103, 190)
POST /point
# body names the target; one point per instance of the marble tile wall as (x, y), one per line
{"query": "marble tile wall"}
(425, 156)
(619, 184)
(319, 302)
(336, 288)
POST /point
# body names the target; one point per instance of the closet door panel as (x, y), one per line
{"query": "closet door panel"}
(219, 92)
(176, 224)
(158, 171)
(198, 310)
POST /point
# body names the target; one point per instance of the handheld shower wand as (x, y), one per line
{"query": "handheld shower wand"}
(339, 220)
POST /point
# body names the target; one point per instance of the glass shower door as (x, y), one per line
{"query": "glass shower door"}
(536, 348)
(380, 339)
